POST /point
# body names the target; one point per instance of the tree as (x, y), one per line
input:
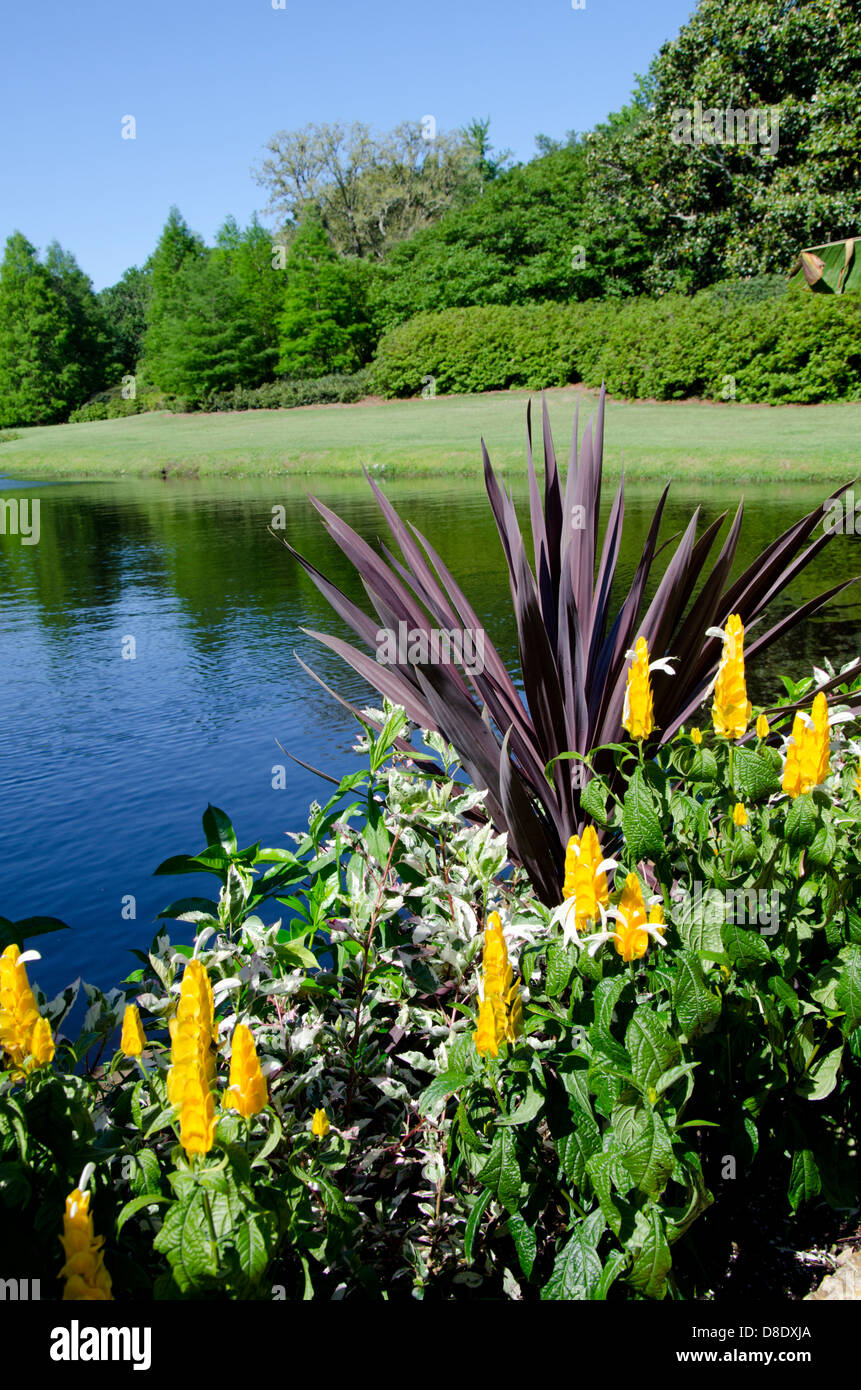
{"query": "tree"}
(90, 334)
(709, 208)
(46, 369)
(177, 245)
(324, 325)
(370, 191)
(210, 342)
(514, 244)
(125, 306)
(253, 261)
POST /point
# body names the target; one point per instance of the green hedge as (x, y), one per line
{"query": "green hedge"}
(338, 388)
(750, 342)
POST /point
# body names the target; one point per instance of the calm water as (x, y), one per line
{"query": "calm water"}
(106, 764)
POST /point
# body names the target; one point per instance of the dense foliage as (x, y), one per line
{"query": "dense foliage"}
(396, 1140)
(717, 344)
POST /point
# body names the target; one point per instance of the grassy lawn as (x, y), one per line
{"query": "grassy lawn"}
(709, 443)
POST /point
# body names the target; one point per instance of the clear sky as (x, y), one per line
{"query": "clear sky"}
(209, 81)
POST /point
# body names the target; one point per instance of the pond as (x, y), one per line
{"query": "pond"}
(112, 747)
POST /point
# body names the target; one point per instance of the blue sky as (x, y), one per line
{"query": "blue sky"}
(209, 82)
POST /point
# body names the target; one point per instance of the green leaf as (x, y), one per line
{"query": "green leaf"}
(650, 1047)
(652, 1258)
(433, 1098)
(694, 1005)
(753, 774)
(593, 801)
(560, 965)
(606, 996)
(478, 1209)
(819, 1081)
(191, 909)
(649, 1158)
(641, 826)
(703, 766)
(746, 949)
(600, 1168)
(529, 1107)
(576, 1270)
(218, 829)
(823, 846)
(804, 1180)
(525, 1242)
(848, 993)
(801, 820)
(501, 1172)
(149, 1199)
(186, 1242)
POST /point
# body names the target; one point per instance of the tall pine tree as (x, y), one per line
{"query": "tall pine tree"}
(324, 326)
(177, 245)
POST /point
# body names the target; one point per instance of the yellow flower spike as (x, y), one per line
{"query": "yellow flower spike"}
(84, 1271)
(696, 737)
(583, 881)
(739, 814)
(631, 941)
(41, 1043)
(497, 971)
(638, 715)
(19, 1012)
(731, 709)
(133, 1039)
(247, 1091)
(762, 727)
(193, 1037)
(858, 780)
(320, 1125)
(197, 1114)
(490, 1029)
(808, 755)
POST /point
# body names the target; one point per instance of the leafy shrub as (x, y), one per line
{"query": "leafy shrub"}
(107, 405)
(337, 388)
(777, 347)
(573, 1163)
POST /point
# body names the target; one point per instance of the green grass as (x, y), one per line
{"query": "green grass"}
(708, 443)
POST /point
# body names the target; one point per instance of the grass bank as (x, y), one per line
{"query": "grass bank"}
(651, 439)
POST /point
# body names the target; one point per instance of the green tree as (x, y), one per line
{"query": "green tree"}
(125, 306)
(725, 207)
(255, 263)
(514, 244)
(212, 342)
(324, 324)
(177, 245)
(91, 336)
(42, 375)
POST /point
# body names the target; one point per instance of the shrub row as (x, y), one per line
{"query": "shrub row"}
(763, 345)
(339, 388)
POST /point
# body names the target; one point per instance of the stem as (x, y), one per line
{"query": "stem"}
(364, 979)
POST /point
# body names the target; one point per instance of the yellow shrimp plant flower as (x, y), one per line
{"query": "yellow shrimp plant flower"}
(84, 1271)
(762, 727)
(808, 753)
(247, 1091)
(584, 892)
(739, 814)
(197, 1113)
(731, 709)
(320, 1125)
(638, 713)
(19, 1013)
(133, 1039)
(500, 1015)
(636, 924)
